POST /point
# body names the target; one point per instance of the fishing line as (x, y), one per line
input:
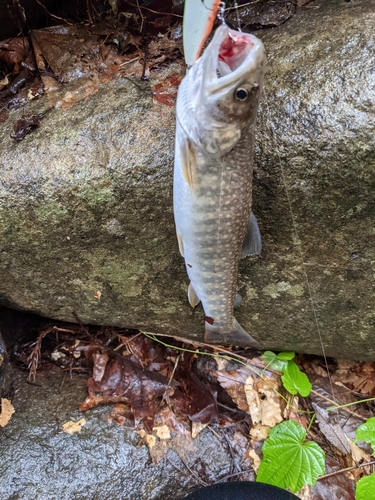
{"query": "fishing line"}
(221, 13)
(298, 241)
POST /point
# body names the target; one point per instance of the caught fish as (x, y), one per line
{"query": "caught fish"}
(216, 112)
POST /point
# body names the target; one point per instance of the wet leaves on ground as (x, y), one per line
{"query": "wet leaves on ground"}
(170, 389)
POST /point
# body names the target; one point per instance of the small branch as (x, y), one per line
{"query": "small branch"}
(195, 476)
(338, 407)
(52, 15)
(142, 16)
(345, 470)
(234, 475)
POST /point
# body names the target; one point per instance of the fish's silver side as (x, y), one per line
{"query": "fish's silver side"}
(213, 176)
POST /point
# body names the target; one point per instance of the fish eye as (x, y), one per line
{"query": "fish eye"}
(241, 94)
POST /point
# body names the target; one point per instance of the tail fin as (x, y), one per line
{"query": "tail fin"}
(235, 336)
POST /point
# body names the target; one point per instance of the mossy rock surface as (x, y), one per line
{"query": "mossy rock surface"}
(86, 219)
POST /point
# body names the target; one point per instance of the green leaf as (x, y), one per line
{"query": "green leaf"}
(365, 489)
(277, 361)
(286, 356)
(366, 432)
(288, 462)
(296, 381)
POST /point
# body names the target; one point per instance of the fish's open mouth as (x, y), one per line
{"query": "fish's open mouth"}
(234, 49)
(233, 55)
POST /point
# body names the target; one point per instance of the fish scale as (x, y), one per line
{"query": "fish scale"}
(213, 177)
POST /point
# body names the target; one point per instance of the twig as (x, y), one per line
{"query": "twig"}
(336, 405)
(89, 13)
(53, 15)
(155, 11)
(198, 343)
(128, 62)
(144, 77)
(33, 383)
(214, 432)
(171, 377)
(234, 475)
(201, 481)
(346, 470)
(35, 354)
(142, 16)
(85, 330)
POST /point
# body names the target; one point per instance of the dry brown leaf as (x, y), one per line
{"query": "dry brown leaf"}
(259, 432)
(150, 440)
(72, 427)
(265, 405)
(162, 432)
(358, 454)
(305, 493)
(234, 382)
(7, 411)
(331, 430)
(255, 459)
(196, 428)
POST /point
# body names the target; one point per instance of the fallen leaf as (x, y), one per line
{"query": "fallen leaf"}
(162, 432)
(197, 428)
(255, 459)
(7, 411)
(13, 52)
(71, 427)
(233, 382)
(259, 432)
(118, 379)
(331, 430)
(336, 487)
(150, 440)
(265, 405)
(24, 126)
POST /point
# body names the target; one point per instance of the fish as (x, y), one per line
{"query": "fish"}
(216, 112)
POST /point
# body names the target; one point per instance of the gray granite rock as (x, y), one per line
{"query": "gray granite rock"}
(86, 221)
(102, 461)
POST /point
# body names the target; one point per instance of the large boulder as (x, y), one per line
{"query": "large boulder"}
(86, 220)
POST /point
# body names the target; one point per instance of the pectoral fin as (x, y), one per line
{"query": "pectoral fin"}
(180, 245)
(237, 300)
(252, 244)
(188, 161)
(192, 295)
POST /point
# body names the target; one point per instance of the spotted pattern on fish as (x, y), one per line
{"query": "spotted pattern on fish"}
(213, 175)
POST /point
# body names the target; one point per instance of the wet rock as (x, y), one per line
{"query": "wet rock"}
(258, 15)
(86, 221)
(102, 460)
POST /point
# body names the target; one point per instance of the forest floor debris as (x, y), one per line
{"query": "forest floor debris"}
(169, 389)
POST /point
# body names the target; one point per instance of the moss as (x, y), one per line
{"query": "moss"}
(296, 290)
(53, 211)
(99, 197)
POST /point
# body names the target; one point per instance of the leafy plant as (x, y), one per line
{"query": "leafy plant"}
(289, 461)
(366, 432)
(294, 381)
(365, 489)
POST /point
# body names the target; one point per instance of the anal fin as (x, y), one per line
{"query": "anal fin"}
(234, 337)
(192, 295)
(252, 244)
